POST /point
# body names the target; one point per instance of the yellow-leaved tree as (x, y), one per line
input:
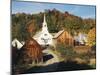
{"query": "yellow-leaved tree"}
(92, 37)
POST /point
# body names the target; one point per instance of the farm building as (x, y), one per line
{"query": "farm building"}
(31, 51)
(63, 37)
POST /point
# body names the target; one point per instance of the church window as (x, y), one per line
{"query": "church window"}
(42, 39)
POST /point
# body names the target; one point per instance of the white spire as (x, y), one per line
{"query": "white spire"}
(44, 26)
(44, 19)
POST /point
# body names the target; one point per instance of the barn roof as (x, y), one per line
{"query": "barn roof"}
(58, 34)
(31, 42)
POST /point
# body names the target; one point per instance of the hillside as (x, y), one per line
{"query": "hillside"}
(56, 21)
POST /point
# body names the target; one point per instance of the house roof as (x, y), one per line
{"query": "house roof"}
(15, 41)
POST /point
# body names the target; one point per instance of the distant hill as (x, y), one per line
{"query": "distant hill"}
(56, 21)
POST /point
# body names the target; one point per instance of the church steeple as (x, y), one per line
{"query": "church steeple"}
(44, 25)
(44, 37)
(44, 21)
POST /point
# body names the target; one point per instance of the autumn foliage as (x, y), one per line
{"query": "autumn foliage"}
(92, 37)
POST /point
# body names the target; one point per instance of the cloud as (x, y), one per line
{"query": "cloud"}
(89, 16)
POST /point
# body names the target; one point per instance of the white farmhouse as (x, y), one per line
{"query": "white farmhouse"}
(81, 38)
(44, 37)
(16, 43)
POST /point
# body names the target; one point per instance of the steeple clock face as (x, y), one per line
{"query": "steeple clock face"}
(45, 38)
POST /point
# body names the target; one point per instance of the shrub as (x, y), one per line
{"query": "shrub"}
(66, 51)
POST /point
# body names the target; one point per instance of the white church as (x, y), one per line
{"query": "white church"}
(43, 37)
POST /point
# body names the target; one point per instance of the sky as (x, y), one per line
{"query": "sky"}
(84, 11)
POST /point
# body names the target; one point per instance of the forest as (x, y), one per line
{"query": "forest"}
(56, 21)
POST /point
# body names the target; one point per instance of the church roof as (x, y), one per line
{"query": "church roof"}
(37, 34)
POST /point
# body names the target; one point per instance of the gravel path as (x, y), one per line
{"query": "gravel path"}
(55, 58)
